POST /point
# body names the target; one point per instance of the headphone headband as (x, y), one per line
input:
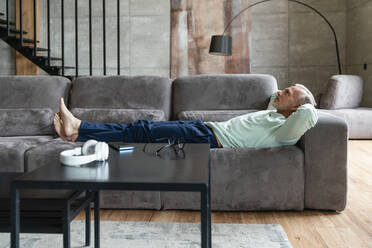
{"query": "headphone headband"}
(85, 154)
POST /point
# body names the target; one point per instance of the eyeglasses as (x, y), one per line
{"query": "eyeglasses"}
(173, 149)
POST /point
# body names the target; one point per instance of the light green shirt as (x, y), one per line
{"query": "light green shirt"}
(265, 128)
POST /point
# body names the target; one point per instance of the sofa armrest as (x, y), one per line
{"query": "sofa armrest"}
(325, 147)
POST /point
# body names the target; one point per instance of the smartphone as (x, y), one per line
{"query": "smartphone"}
(121, 146)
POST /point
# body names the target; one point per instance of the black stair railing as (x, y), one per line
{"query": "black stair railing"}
(90, 39)
(48, 29)
(76, 39)
(62, 35)
(118, 34)
(30, 47)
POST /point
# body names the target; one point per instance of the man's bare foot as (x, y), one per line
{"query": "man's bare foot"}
(58, 126)
(66, 125)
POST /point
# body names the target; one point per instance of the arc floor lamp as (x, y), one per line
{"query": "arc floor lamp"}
(221, 44)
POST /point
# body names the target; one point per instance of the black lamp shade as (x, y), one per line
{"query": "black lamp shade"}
(220, 45)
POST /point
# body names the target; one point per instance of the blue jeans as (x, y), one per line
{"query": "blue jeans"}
(145, 131)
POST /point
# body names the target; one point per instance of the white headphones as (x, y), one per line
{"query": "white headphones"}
(92, 150)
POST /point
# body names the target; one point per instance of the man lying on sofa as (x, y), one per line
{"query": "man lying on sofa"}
(289, 115)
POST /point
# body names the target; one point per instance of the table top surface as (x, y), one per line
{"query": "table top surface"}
(133, 167)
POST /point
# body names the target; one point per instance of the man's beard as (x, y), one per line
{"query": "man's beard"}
(280, 107)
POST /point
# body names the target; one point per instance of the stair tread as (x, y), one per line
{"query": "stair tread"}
(2, 21)
(16, 31)
(66, 67)
(12, 30)
(46, 57)
(40, 49)
(25, 40)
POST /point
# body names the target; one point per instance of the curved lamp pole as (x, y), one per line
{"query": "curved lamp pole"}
(221, 44)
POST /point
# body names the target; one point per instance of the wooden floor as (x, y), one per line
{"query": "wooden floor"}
(351, 228)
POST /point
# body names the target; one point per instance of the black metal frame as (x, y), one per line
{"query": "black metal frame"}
(203, 189)
(118, 34)
(63, 36)
(21, 22)
(90, 39)
(104, 35)
(35, 29)
(76, 39)
(48, 29)
(44, 62)
(39, 223)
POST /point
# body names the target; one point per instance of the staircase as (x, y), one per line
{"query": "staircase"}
(28, 47)
(13, 35)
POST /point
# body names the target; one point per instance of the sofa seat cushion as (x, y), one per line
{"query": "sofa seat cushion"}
(250, 179)
(34, 121)
(12, 150)
(118, 115)
(212, 115)
(47, 153)
(359, 121)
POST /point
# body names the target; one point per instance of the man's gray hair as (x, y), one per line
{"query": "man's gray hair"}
(306, 97)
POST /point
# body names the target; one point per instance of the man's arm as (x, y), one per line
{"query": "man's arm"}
(272, 98)
(304, 118)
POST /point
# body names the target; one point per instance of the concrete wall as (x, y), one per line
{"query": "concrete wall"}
(294, 44)
(7, 54)
(359, 44)
(145, 36)
(7, 61)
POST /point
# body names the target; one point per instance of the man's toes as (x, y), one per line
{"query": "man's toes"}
(61, 102)
(57, 117)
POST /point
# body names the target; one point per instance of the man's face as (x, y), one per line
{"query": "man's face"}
(287, 98)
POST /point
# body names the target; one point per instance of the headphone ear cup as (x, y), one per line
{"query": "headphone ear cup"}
(89, 147)
(101, 151)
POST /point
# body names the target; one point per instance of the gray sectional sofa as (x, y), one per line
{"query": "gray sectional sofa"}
(311, 174)
(342, 98)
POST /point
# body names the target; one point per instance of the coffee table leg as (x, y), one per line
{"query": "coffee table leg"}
(209, 224)
(15, 221)
(96, 220)
(66, 226)
(87, 224)
(204, 218)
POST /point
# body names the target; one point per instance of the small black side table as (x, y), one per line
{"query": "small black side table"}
(45, 211)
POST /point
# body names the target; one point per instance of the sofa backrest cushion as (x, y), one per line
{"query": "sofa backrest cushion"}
(33, 91)
(118, 115)
(222, 92)
(343, 91)
(27, 103)
(122, 92)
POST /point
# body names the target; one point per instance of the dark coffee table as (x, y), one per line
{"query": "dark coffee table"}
(125, 171)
